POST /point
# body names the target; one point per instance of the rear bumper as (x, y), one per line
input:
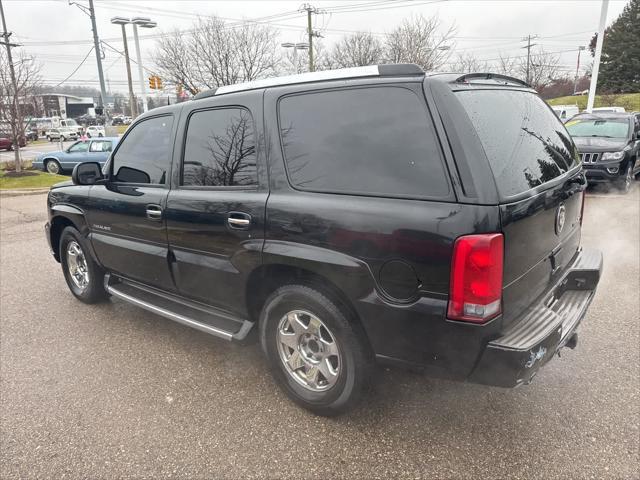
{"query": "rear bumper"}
(545, 328)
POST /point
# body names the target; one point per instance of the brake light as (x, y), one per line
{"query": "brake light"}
(475, 290)
(584, 194)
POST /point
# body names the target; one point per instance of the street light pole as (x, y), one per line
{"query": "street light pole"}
(144, 23)
(132, 101)
(596, 60)
(296, 47)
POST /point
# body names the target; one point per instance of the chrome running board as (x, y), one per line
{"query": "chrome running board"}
(192, 314)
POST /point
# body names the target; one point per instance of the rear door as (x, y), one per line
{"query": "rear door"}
(540, 188)
(215, 211)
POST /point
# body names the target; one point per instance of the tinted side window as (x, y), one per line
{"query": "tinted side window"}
(524, 141)
(145, 153)
(377, 140)
(220, 149)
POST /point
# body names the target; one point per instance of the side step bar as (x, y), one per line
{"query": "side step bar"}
(192, 314)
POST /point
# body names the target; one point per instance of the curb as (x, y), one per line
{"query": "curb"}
(22, 192)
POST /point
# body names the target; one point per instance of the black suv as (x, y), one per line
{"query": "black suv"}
(609, 146)
(346, 217)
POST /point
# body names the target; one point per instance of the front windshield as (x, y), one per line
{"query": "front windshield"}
(601, 127)
(69, 122)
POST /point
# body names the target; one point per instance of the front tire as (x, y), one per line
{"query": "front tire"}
(53, 167)
(83, 275)
(624, 185)
(318, 355)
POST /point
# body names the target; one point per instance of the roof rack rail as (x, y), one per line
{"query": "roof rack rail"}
(495, 77)
(205, 94)
(391, 70)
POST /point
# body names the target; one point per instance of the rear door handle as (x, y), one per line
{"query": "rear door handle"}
(239, 220)
(154, 212)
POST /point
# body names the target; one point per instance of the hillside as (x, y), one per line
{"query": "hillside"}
(630, 101)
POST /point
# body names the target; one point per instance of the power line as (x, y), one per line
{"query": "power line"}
(77, 68)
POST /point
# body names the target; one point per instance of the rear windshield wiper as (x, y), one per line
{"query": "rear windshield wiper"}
(602, 136)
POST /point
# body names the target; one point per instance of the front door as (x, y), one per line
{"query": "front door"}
(126, 216)
(215, 210)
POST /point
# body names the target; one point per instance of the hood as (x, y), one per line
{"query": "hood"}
(66, 183)
(599, 144)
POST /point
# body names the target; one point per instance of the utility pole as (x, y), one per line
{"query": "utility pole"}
(528, 39)
(96, 46)
(16, 117)
(596, 60)
(310, 9)
(575, 82)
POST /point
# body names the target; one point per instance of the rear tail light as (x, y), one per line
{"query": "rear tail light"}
(584, 194)
(475, 291)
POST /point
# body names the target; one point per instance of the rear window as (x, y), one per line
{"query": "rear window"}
(368, 141)
(526, 144)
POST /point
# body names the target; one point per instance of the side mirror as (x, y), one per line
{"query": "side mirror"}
(87, 173)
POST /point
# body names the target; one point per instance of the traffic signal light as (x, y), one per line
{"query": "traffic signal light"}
(155, 82)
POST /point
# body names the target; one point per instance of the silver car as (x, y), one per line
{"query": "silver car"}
(62, 133)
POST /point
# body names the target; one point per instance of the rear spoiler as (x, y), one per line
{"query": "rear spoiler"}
(491, 78)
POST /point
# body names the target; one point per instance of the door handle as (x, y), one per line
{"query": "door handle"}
(154, 212)
(239, 220)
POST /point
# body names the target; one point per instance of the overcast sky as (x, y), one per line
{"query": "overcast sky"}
(58, 35)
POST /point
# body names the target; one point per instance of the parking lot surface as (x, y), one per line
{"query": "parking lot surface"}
(32, 150)
(110, 390)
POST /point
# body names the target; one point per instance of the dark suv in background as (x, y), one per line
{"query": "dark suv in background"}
(609, 146)
(345, 217)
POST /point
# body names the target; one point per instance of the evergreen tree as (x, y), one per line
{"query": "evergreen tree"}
(620, 63)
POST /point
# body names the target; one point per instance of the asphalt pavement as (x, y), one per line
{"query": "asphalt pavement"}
(31, 151)
(110, 390)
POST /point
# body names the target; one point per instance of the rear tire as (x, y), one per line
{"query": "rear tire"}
(317, 355)
(84, 276)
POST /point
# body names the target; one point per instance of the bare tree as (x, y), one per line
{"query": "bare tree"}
(469, 63)
(543, 68)
(213, 54)
(507, 65)
(421, 41)
(176, 61)
(14, 101)
(356, 50)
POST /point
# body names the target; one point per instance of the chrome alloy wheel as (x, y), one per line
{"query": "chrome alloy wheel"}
(77, 265)
(308, 350)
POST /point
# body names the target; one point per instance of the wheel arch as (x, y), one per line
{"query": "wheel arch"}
(66, 216)
(49, 159)
(267, 278)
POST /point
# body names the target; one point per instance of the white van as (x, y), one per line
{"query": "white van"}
(58, 122)
(565, 112)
